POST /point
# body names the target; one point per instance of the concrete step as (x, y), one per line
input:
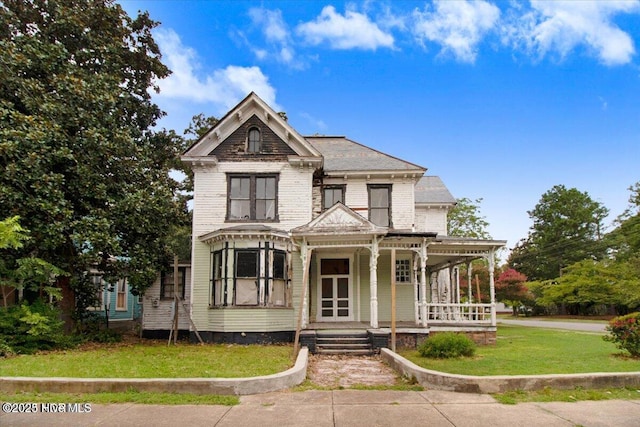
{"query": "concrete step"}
(347, 346)
(342, 340)
(362, 352)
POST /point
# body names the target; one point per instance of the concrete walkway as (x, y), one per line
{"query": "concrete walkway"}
(556, 324)
(350, 408)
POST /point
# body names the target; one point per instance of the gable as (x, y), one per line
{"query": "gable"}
(339, 219)
(272, 147)
(231, 128)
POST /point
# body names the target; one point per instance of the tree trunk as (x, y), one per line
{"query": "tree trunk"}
(68, 303)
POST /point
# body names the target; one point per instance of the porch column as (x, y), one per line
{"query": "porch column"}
(373, 281)
(492, 287)
(416, 289)
(469, 273)
(305, 256)
(423, 283)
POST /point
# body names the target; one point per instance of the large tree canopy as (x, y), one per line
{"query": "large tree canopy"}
(567, 227)
(465, 220)
(81, 164)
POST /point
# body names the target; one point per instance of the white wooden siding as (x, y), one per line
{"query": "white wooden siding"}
(431, 219)
(157, 312)
(210, 195)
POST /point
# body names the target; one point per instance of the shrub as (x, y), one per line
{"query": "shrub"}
(624, 332)
(447, 345)
(25, 329)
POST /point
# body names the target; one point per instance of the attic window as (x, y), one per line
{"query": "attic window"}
(254, 139)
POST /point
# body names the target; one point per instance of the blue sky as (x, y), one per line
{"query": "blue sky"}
(502, 100)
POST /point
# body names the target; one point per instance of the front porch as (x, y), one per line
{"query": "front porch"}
(407, 334)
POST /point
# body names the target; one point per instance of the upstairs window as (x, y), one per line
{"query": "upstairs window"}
(380, 204)
(252, 198)
(332, 195)
(254, 139)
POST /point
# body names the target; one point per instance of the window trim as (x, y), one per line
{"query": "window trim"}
(236, 276)
(182, 273)
(252, 196)
(258, 149)
(341, 187)
(125, 290)
(389, 188)
(403, 258)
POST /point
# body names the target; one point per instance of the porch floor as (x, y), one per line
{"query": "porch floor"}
(318, 326)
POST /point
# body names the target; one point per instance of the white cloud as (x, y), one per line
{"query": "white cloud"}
(318, 125)
(458, 26)
(561, 26)
(223, 87)
(352, 30)
(276, 33)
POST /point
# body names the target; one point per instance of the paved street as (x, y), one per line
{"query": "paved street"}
(556, 324)
(351, 408)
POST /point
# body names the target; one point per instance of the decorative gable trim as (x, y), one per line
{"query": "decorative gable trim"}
(339, 219)
(251, 106)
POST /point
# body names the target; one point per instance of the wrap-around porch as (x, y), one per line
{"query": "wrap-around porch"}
(356, 271)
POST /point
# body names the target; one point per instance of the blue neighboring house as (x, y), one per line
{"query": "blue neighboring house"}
(115, 301)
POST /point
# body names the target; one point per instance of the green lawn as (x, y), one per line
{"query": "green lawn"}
(532, 351)
(153, 360)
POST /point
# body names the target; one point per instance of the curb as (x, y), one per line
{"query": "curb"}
(222, 386)
(503, 383)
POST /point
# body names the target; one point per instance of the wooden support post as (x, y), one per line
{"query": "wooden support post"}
(393, 300)
(305, 255)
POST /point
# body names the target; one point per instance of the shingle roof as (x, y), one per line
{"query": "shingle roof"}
(342, 154)
(431, 189)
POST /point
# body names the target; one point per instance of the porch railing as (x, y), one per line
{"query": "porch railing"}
(459, 313)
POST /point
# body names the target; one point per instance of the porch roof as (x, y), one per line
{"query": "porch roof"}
(245, 231)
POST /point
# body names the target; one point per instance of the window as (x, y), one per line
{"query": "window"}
(217, 297)
(278, 294)
(246, 292)
(332, 195)
(169, 287)
(253, 140)
(252, 197)
(380, 205)
(121, 294)
(98, 284)
(403, 270)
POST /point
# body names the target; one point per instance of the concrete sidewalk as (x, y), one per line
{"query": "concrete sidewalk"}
(351, 408)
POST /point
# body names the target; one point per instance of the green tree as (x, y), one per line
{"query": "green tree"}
(511, 289)
(465, 220)
(594, 287)
(567, 227)
(29, 272)
(81, 162)
(624, 240)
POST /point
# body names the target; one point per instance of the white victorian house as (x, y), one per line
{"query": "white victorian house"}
(295, 233)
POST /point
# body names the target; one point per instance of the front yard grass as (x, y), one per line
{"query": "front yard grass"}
(153, 360)
(524, 350)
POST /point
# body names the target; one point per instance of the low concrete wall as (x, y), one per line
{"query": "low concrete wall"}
(225, 386)
(503, 383)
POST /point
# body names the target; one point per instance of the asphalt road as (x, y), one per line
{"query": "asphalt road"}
(556, 324)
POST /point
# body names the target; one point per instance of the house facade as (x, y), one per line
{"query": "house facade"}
(292, 234)
(114, 300)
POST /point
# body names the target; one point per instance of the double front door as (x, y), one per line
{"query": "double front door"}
(335, 290)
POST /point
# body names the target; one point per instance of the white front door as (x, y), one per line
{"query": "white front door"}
(335, 293)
